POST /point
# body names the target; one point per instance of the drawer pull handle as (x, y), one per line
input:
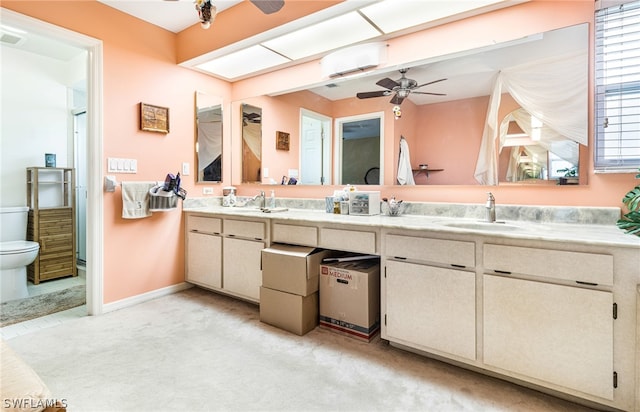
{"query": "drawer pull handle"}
(504, 272)
(400, 257)
(579, 282)
(458, 266)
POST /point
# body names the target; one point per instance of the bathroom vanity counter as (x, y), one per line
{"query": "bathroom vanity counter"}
(528, 302)
(591, 234)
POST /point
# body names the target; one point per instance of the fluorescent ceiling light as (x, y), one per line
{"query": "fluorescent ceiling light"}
(394, 15)
(324, 36)
(245, 61)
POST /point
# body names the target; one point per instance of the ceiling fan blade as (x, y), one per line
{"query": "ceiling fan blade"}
(268, 6)
(426, 84)
(387, 83)
(397, 100)
(435, 94)
(366, 95)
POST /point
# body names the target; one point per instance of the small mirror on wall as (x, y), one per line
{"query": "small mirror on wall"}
(209, 127)
(251, 143)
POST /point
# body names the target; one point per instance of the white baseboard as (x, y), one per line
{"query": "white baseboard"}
(135, 300)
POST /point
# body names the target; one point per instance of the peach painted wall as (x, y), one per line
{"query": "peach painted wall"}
(495, 27)
(139, 65)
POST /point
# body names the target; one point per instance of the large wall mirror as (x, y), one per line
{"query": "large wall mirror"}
(208, 128)
(445, 126)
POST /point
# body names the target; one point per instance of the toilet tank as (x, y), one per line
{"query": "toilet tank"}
(13, 223)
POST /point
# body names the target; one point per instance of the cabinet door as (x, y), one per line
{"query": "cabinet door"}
(558, 334)
(242, 273)
(431, 308)
(204, 259)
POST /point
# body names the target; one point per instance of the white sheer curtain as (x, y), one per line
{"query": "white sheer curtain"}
(553, 90)
(209, 142)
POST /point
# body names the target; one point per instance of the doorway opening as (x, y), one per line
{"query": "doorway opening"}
(359, 149)
(90, 152)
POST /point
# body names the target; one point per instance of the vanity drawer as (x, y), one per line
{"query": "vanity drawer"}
(203, 224)
(556, 264)
(448, 252)
(244, 228)
(295, 234)
(348, 240)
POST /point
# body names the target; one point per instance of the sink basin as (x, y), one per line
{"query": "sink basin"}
(245, 210)
(493, 227)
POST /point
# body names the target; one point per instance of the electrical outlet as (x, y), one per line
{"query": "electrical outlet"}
(207, 190)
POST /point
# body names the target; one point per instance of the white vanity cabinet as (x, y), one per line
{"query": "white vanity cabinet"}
(555, 333)
(548, 315)
(224, 254)
(242, 251)
(204, 251)
(429, 294)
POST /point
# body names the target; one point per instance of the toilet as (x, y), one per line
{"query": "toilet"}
(15, 253)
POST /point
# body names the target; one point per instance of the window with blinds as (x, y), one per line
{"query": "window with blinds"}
(617, 100)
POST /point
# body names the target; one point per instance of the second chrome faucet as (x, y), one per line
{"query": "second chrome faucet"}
(491, 208)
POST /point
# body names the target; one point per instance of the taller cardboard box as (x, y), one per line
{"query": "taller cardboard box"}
(289, 292)
(350, 297)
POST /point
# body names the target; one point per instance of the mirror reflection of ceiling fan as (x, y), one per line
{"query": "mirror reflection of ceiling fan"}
(268, 6)
(400, 89)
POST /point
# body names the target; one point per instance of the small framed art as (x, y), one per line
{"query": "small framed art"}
(154, 118)
(282, 141)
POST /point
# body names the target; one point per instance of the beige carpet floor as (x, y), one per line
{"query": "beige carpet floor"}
(198, 351)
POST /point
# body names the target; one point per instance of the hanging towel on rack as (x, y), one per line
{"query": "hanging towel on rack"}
(405, 173)
(135, 199)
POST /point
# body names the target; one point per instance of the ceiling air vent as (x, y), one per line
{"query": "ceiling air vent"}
(11, 39)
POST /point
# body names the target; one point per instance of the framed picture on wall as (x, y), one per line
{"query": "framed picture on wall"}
(282, 141)
(154, 118)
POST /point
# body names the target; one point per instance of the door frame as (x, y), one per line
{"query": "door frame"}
(339, 122)
(95, 205)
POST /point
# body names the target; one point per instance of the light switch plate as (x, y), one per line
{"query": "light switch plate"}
(121, 165)
(186, 169)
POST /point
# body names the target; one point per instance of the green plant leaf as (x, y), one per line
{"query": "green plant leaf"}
(632, 199)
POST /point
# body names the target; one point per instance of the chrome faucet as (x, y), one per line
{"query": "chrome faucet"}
(491, 208)
(262, 199)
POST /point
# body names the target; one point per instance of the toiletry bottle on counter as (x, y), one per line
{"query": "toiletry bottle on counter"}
(272, 200)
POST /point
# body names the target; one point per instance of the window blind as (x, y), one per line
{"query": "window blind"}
(617, 77)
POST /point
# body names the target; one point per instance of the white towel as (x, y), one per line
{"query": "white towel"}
(135, 199)
(405, 173)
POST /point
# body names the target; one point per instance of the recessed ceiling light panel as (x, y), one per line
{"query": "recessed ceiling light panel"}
(324, 36)
(242, 62)
(395, 15)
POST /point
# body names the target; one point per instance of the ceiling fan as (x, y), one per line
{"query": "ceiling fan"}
(400, 88)
(207, 11)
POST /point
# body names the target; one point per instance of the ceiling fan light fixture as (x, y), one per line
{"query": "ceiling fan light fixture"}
(206, 13)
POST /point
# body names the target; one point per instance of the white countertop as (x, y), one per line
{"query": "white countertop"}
(605, 235)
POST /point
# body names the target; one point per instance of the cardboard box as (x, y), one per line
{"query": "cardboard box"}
(293, 313)
(350, 297)
(364, 203)
(292, 269)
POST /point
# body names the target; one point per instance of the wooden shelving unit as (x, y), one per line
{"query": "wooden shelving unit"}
(52, 222)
